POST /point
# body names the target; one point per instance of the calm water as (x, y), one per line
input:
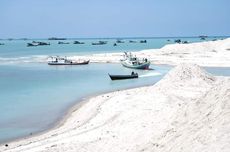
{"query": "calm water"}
(30, 92)
(33, 96)
(16, 51)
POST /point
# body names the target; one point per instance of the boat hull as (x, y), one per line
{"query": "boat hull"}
(73, 63)
(121, 77)
(139, 66)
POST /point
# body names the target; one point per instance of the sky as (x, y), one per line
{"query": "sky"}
(113, 18)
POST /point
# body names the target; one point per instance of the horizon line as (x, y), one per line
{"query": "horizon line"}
(128, 37)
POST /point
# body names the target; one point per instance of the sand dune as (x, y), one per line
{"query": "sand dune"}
(188, 110)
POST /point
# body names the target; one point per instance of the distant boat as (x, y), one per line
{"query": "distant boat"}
(2, 44)
(177, 41)
(77, 42)
(60, 42)
(64, 61)
(55, 38)
(133, 62)
(119, 41)
(143, 41)
(131, 41)
(99, 43)
(34, 43)
(203, 37)
(121, 77)
(115, 44)
(185, 42)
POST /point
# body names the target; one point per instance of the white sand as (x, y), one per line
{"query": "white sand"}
(211, 53)
(188, 110)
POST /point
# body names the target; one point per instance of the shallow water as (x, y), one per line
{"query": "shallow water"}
(219, 71)
(34, 96)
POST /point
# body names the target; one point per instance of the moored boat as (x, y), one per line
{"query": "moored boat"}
(120, 41)
(143, 41)
(131, 41)
(35, 43)
(64, 61)
(121, 77)
(60, 42)
(77, 42)
(56, 38)
(99, 43)
(133, 62)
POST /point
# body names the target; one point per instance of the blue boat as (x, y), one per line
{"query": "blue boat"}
(135, 63)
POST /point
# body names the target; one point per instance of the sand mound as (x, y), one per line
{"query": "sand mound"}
(188, 72)
(201, 123)
(184, 79)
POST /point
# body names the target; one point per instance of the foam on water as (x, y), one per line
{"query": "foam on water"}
(150, 74)
(23, 59)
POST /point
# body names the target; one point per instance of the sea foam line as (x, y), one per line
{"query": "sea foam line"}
(150, 74)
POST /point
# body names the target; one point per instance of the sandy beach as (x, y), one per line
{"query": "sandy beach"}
(188, 110)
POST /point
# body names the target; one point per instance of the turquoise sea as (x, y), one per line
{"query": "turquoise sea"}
(34, 96)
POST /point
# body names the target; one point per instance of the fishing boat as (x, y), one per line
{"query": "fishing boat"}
(131, 61)
(143, 41)
(35, 43)
(121, 77)
(56, 38)
(32, 44)
(60, 42)
(99, 43)
(77, 42)
(120, 41)
(131, 41)
(64, 61)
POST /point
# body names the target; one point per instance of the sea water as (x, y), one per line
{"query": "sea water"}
(34, 96)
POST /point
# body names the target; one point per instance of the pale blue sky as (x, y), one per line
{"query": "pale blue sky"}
(117, 18)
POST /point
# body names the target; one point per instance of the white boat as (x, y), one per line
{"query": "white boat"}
(56, 60)
(131, 61)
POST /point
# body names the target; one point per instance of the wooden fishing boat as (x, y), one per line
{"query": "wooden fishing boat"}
(121, 77)
(133, 62)
(64, 61)
(99, 43)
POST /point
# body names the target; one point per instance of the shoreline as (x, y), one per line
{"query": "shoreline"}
(69, 110)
